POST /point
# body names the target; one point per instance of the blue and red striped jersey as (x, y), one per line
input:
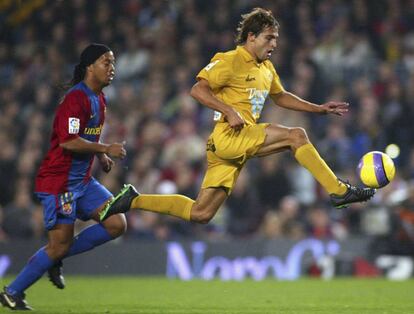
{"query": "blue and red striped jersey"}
(80, 114)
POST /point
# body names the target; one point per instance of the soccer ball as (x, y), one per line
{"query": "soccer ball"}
(376, 169)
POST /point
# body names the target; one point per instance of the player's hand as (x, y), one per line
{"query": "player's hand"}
(335, 107)
(116, 150)
(106, 162)
(235, 120)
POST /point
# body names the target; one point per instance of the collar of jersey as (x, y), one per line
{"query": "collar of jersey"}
(87, 89)
(246, 55)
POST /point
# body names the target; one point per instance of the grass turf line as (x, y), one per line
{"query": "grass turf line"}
(154, 295)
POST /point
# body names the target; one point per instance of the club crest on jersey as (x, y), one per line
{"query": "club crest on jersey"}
(67, 208)
(73, 126)
(66, 203)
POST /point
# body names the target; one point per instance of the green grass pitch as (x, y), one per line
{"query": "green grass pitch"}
(154, 295)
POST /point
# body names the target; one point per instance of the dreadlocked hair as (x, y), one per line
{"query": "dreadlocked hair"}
(255, 22)
(78, 76)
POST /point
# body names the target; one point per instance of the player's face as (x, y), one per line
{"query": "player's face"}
(104, 68)
(264, 43)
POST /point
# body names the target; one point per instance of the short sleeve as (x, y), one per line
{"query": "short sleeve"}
(217, 72)
(276, 85)
(71, 117)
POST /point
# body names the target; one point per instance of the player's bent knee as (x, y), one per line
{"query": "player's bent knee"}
(116, 225)
(120, 229)
(298, 137)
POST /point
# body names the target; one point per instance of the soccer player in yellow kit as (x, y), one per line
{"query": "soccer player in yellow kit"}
(235, 84)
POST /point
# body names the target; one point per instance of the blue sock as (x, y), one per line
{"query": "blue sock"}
(88, 239)
(34, 269)
(40, 262)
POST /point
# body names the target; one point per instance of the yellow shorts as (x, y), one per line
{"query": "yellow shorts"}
(228, 151)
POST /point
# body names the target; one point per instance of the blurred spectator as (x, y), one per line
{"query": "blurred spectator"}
(319, 223)
(244, 210)
(3, 236)
(290, 219)
(399, 240)
(272, 181)
(405, 227)
(322, 226)
(356, 51)
(185, 144)
(336, 147)
(18, 216)
(272, 226)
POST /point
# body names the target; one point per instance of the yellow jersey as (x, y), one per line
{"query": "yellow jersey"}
(239, 81)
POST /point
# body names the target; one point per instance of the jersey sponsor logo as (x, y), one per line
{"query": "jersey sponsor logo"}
(93, 131)
(257, 99)
(74, 125)
(210, 65)
(250, 78)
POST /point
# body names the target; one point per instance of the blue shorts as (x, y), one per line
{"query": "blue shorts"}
(79, 203)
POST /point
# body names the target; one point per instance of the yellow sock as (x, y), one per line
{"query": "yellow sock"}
(175, 205)
(309, 158)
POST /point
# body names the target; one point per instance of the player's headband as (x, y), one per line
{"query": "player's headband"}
(91, 53)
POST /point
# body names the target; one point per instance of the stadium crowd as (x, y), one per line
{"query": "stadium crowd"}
(357, 51)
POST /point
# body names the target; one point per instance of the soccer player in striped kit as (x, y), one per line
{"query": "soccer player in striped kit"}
(64, 184)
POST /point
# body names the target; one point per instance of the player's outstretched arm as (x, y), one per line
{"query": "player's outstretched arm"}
(290, 101)
(80, 145)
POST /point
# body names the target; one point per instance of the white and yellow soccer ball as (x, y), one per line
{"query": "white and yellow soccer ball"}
(376, 169)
